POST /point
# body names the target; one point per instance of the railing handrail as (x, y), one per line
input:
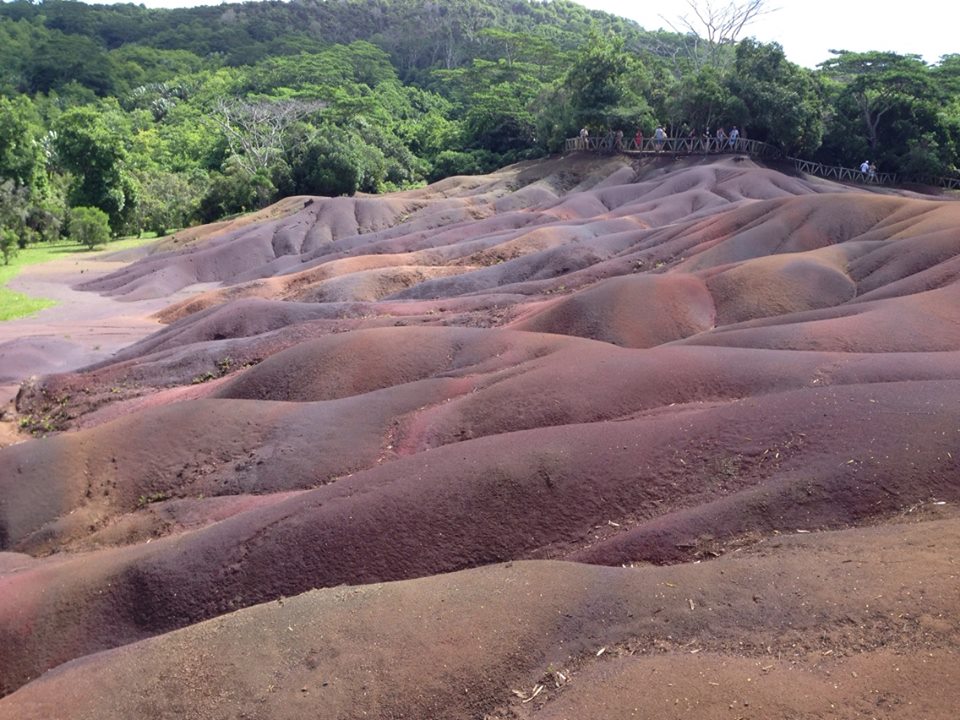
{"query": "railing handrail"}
(677, 146)
(839, 172)
(744, 146)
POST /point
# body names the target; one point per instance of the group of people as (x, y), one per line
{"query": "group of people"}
(613, 140)
(719, 141)
(730, 140)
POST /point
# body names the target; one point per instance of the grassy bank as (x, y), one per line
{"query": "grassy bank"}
(15, 305)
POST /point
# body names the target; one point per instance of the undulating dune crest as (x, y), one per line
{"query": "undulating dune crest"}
(379, 468)
(778, 630)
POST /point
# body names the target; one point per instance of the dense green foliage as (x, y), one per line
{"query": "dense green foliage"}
(162, 118)
(89, 226)
(8, 245)
(895, 110)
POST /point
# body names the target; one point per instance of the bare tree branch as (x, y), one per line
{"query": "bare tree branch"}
(713, 26)
(255, 129)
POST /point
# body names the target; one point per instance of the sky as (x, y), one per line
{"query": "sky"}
(807, 29)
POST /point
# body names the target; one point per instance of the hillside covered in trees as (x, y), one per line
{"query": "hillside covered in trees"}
(163, 118)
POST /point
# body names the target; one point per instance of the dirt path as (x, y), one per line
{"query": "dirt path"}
(83, 328)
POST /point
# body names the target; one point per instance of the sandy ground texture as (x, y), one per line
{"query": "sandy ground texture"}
(81, 329)
(582, 438)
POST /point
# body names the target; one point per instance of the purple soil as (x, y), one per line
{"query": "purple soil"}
(662, 363)
(79, 330)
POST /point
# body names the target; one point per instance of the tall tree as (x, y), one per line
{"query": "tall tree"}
(701, 99)
(91, 143)
(782, 103)
(14, 209)
(22, 155)
(256, 130)
(605, 86)
(877, 82)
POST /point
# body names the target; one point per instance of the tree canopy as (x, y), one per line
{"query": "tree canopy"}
(161, 118)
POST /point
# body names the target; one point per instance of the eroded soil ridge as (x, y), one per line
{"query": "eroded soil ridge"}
(581, 438)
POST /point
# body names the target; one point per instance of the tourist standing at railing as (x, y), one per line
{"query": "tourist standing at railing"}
(721, 139)
(868, 170)
(618, 141)
(584, 138)
(734, 138)
(606, 145)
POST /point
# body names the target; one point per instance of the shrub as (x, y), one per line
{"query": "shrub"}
(89, 226)
(8, 245)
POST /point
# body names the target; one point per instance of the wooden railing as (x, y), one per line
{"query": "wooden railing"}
(843, 173)
(754, 148)
(674, 146)
(950, 183)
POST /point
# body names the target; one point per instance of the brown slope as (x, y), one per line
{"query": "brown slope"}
(865, 452)
(826, 626)
(255, 249)
(306, 229)
(638, 312)
(758, 287)
(922, 322)
(439, 386)
(334, 228)
(780, 285)
(758, 440)
(72, 484)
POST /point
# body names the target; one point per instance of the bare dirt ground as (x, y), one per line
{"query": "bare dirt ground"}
(577, 439)
(82, 329)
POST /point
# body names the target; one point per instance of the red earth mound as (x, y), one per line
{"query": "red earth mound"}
(708, 365)
(640, 311)
(778, 630)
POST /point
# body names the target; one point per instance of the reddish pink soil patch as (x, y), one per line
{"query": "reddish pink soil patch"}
(746, 378)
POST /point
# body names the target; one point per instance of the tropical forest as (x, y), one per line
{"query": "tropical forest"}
(121, 120)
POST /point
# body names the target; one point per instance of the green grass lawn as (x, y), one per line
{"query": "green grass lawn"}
(16, 305)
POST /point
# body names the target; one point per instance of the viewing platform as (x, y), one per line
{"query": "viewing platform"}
(679, 147)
